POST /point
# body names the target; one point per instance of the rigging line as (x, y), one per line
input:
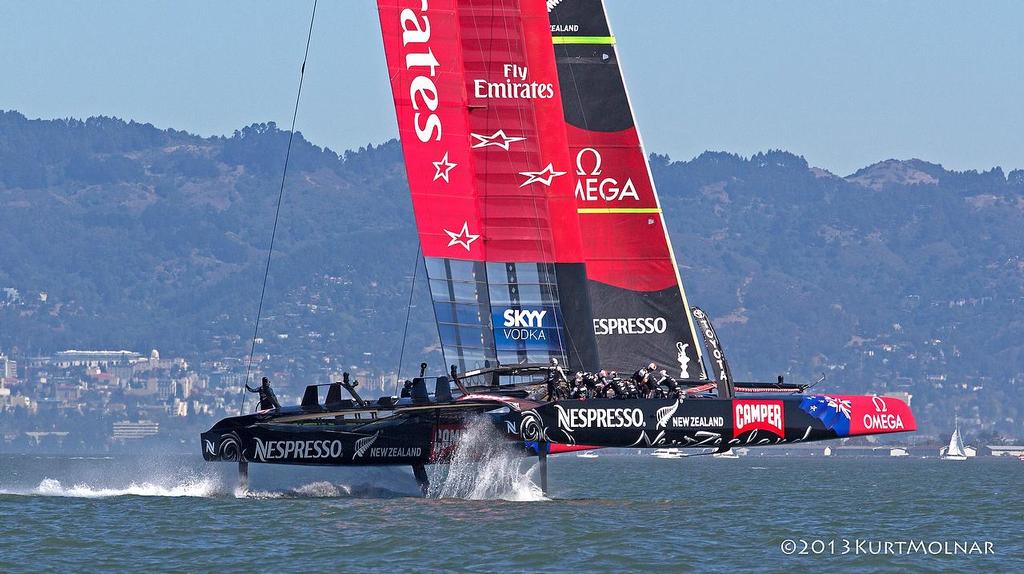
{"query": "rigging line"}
(277, 212)
(408, 313)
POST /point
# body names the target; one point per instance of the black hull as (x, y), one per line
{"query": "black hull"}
(690, 423)
(291, 444)
(431, 436)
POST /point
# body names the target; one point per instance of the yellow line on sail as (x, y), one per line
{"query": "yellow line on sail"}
(619, 210)
(607, 40)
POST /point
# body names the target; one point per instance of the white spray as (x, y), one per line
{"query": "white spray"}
(485, 467)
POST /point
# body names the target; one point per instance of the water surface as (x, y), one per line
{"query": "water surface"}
(610, 514)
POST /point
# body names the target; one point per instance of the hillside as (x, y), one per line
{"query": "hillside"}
(901, 276)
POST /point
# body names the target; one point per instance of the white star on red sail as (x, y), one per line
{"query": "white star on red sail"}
(444, 168)
(497, 139)
(463, 237)
(543, 176)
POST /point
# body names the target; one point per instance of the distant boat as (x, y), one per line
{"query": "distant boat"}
(727, 454)
(587, 454)
(828, 451)
(955, 450)
(668, 453)
(897, 451)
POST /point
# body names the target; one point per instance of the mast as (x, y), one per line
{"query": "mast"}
(479, 113)
(640, 309)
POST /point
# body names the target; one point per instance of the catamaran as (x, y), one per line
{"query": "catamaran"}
(548, 259)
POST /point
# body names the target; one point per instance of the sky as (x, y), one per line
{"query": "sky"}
(845, 84)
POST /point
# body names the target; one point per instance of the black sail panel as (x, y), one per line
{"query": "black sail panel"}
(639, 305)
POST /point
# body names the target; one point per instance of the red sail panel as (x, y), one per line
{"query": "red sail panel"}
(614, 194)
(424, 63)
(480, 119)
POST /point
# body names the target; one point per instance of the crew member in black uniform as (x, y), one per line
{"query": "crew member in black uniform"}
(622, 388)
(602, 384)
(268, 400)
(579, 387)
(667, 382)
(643, 378)
(591, 383)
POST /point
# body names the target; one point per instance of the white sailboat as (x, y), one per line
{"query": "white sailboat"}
(587, 454)
(955, 450)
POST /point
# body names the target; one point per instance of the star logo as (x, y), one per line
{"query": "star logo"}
(497, 139)
(444, 168)
(463, 237)
(543, 176)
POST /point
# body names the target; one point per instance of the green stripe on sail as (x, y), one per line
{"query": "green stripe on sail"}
(609, 40)
(619, 210)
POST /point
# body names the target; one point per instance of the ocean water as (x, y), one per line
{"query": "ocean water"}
(614, 513)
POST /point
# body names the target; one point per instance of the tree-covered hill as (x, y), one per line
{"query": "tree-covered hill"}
(901, 276)
(147, 238)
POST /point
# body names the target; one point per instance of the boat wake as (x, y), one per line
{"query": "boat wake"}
(191, 487)
(326, 489)
(485, 467)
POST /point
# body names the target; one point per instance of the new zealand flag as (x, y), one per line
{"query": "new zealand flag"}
(835, 413)
(534, 447)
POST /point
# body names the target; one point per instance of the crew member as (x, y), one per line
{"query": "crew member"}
(643, 378)
(268, 400)
(559, 386)
(579, 387)
(673, 387)
(619, 387)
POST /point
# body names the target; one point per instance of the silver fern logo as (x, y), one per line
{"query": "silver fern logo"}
(552, 4)
(665, 413)
(364, 444)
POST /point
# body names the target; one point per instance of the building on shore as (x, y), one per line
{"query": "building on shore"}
(1006, 450)
(8, 368)
(73, 358)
